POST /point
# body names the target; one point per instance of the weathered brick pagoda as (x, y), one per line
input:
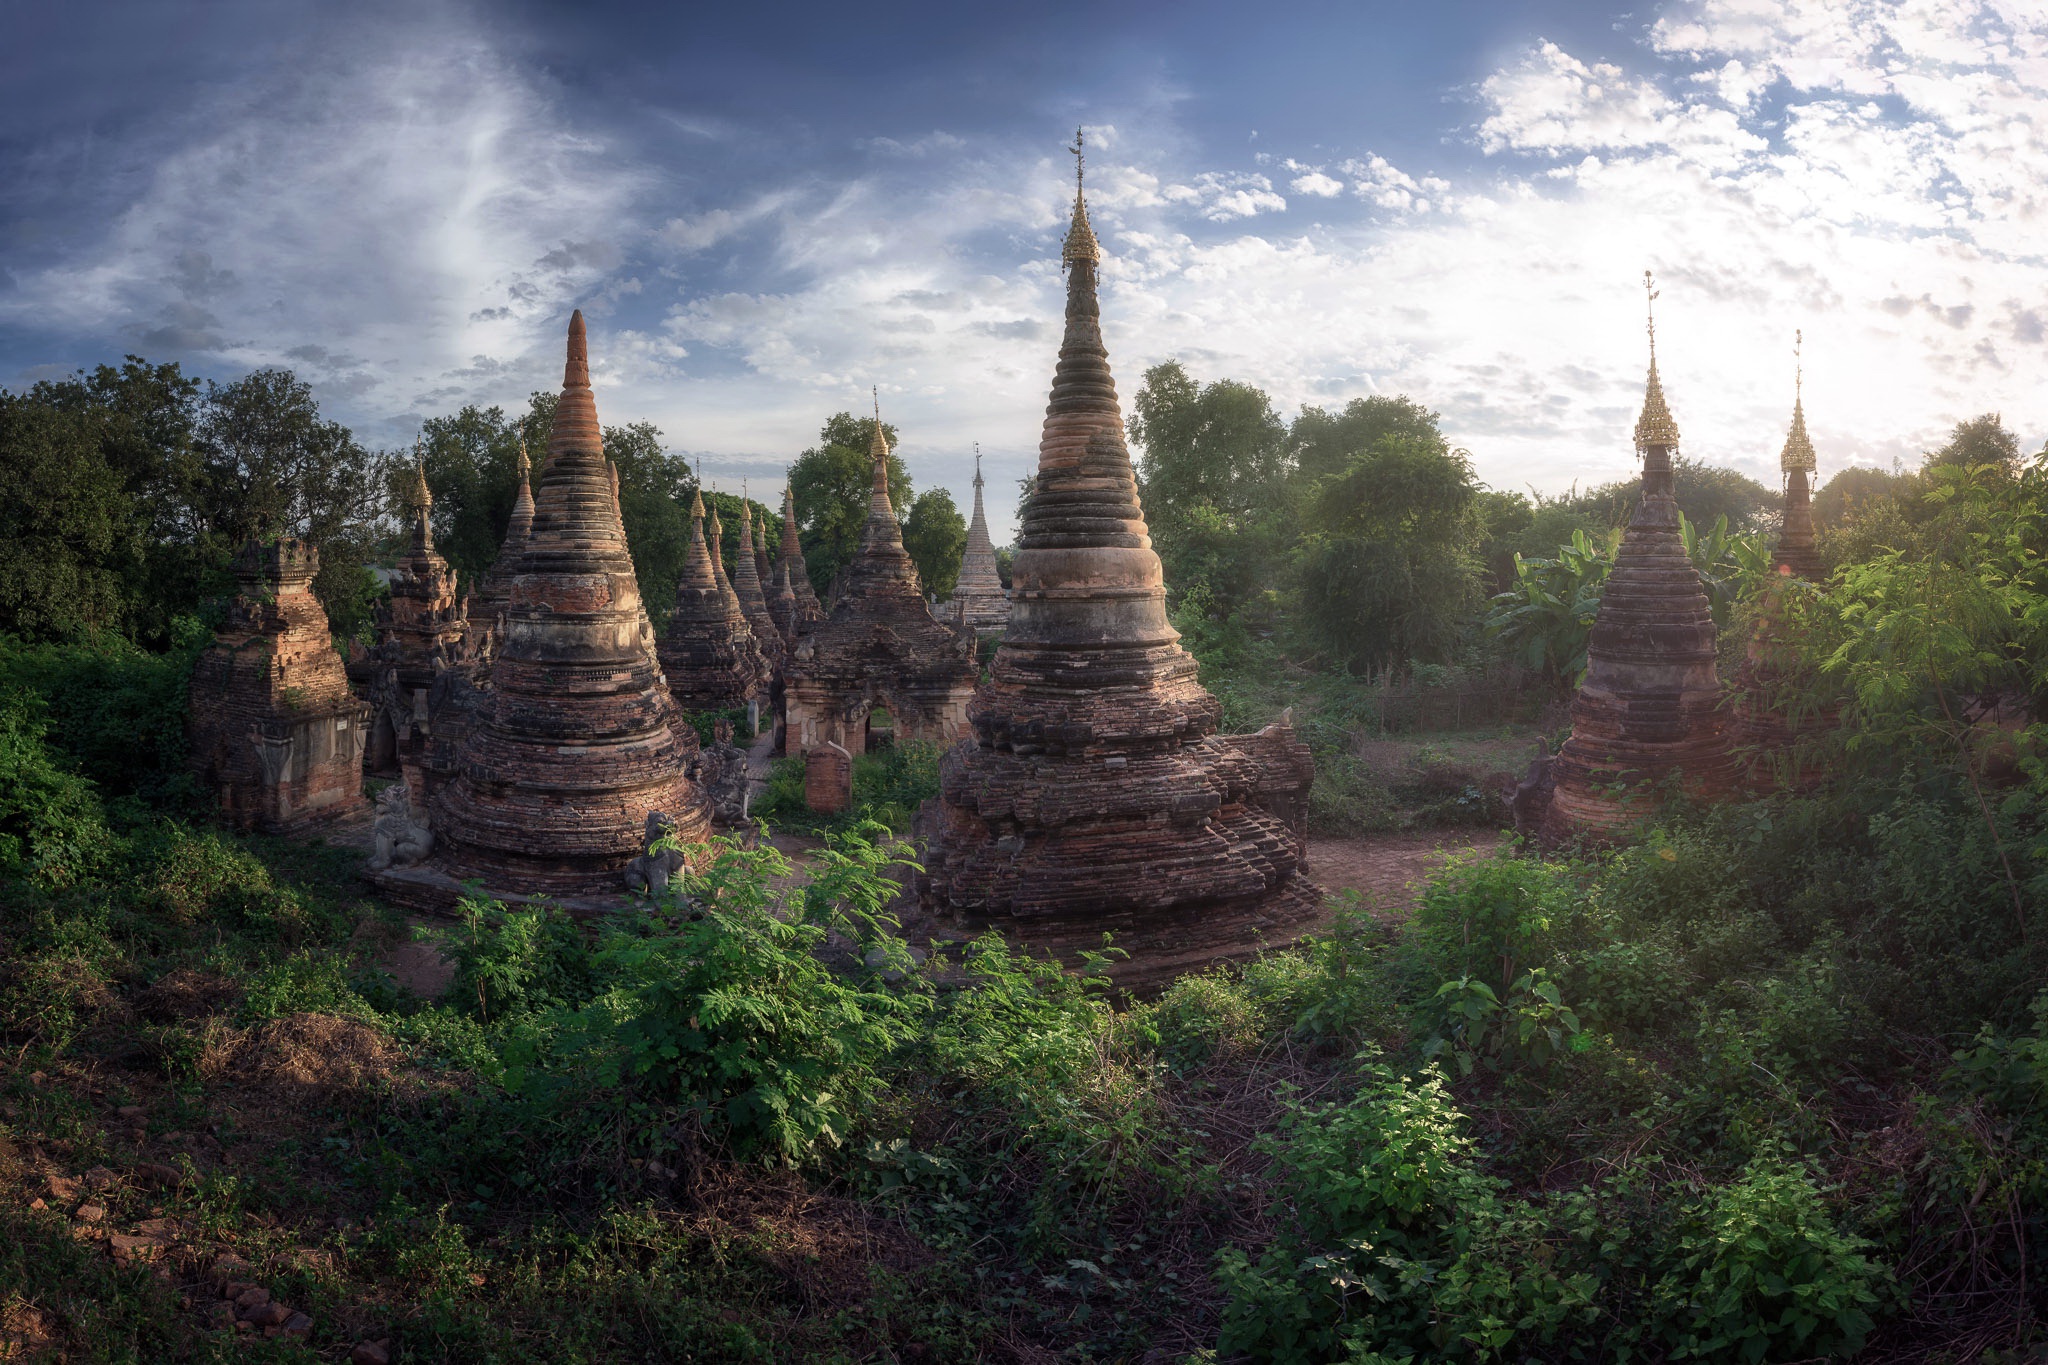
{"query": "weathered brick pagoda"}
(880, 648)
(272, 728)
(1762, 733)
(1648, 716)
(979, 601)
(1095, 794)
(709, 655)
(753, 598)
(488, 608)
(423, 631)
(791, 570)
(572, 749)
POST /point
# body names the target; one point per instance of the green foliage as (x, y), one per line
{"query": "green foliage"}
(512, 964)
(472, 466)
(935, 535)
(888, 786)
(832, 483)
(52, 830)
(116, 713)
(1546, 618)
(71, 531)
(1388, 561)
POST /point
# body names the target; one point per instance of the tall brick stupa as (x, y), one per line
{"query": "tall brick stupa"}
(1095, 794)
(709, 654)
(790, 568)
(573, 747)
(1648, 716)
(979, 601)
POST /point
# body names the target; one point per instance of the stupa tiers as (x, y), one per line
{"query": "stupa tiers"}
(422, 632)
(790, 568)
(572, 748)
(1762, 734)
(1647, 718)
(1095, 794)
(272, 727)
(496, 593)
(709, 656)
(746, 584)
(978, 601)
(880, 647)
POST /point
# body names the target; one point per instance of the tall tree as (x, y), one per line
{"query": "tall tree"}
(1388, 567)
(70, 524)
(832, 481)
(1323, 442)
(935, 534)
(1212, 465)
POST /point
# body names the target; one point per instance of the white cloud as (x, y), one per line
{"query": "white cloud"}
(1316, 184)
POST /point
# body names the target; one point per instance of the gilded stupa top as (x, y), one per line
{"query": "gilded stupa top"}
(1080, 244)
(1798, 452)
(1656, 426)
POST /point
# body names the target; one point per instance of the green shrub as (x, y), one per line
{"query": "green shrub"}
(52, 830)
(514, 963)
(116, 713)
(194, 876)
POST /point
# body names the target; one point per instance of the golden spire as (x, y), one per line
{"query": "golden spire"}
(1655, 427)
(697, 502)
(525, 464)
(878, 448)
(1798, 452)
(421, 497)
(1080, 244)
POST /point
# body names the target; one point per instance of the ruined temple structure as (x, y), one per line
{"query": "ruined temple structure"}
(881, 648)
(272, 728)
(1647, 719)
(709, 655)
(1095, 794)
(753, 598)
(979, 601)
(1761, 733)
(423, 633)
(488, 608)
(791, 570)
(573, 747)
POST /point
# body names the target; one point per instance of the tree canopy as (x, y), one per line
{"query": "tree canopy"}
(832, 482)
(935, 534)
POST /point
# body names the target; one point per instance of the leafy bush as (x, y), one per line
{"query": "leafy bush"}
(116, 713)
(52, 830)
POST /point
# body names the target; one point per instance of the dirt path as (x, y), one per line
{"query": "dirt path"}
(1389, 869)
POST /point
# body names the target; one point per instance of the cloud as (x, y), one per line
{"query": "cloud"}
(1316, 184)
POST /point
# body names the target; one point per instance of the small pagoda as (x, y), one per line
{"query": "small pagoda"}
(1647, 720)
(423, 632)
(880, 649)
(573, 749)
(1094, 794)
(272, 728)
(495, 595)
(979, 600)
(791, 570)
(709, 655)
(1761, 732)
(753, 598)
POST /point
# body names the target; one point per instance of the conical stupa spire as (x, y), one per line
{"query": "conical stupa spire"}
(978, 597)
(794, 569)
(574, 748)
(1798, 544)
(709, 656)
(1649, 709)
(1655, 428)
(746, 582)
(881, 567)
(1076, 806)
(422, 500)
(496, 592)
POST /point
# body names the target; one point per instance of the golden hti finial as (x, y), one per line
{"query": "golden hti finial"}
(977, 464)
(525, 464)
(1656, 426)
(1798, 451)
(1080, 244)
(878, 448)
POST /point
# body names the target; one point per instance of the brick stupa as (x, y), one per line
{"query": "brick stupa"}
(1095, 794)
(979, 601)
(791, 570)
(709, 655)
(272, 728)
(1647, 718)
(573, 747)
(496, 593)
(423, 631)
(1762, 729)
(880, 647)
(753, 597)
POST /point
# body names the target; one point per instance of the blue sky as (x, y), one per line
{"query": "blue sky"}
(766, 209)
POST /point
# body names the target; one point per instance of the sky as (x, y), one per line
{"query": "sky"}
(764, 210)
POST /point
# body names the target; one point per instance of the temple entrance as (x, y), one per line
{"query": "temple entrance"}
(881, 730)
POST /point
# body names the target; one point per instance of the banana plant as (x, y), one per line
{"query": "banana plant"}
(1546, 618)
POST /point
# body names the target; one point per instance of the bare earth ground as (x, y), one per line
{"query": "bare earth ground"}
(1388, 870)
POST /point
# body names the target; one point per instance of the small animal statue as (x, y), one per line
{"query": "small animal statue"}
(650, 873)
(1532, 794)
(402, 838)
